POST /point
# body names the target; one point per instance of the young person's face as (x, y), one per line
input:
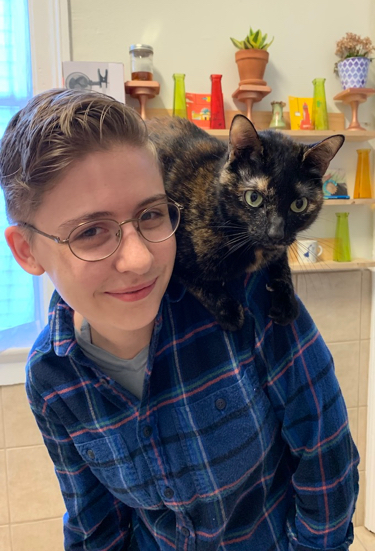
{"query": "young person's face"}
(122, 292)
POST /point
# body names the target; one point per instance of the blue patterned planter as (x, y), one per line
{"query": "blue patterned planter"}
(353, 72)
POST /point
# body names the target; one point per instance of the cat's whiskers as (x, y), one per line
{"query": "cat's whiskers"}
(312, 271)
(228, 226)
(309, 265)
(304, 267)
(237, 243)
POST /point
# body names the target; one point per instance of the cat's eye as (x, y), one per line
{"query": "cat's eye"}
(253, 198)
(299, 205)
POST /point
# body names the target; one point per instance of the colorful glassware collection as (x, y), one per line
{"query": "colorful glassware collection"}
(319, 121)
(217, 119)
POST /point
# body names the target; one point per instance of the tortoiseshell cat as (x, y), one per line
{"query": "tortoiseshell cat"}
(243, 206)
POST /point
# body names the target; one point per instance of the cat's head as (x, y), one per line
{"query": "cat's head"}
(272, 185)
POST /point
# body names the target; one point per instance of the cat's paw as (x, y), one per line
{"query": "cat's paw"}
(284, 309)
(230, 314)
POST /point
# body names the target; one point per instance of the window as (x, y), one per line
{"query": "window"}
(20, 312)
(34, 40)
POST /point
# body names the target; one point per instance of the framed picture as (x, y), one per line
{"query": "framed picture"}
(107, 78)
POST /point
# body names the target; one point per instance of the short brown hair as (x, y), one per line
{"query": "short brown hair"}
(54, 129)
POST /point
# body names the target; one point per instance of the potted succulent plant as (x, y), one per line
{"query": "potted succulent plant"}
(252, 57)
(354, 53)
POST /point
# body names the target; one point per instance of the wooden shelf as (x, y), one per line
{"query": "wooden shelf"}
(330, 202)
(331, 266)
(262, 119)
(311, 135)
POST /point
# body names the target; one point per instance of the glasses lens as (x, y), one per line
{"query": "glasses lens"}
(95, 240)
(159, 222)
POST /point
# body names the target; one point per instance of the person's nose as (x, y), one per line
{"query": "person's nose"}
(133, 254)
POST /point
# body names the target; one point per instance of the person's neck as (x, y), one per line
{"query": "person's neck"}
(126, 345)
(123, 344)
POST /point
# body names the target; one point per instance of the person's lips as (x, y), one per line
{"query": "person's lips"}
(132, 294)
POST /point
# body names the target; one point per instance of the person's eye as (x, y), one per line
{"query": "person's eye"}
(299, 205)
(90, 232)
(154, 215)
(151, 215)
(253, 198)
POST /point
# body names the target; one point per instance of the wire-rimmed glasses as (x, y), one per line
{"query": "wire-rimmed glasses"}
(99, 239)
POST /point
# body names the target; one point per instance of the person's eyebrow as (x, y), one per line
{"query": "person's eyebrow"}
(98, 215)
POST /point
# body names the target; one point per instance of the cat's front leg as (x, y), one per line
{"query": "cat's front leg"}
(228, 312)
(284, 305)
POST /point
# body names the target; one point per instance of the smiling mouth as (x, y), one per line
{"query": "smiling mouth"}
(133, 293)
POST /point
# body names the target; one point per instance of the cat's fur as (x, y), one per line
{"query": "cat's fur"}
(221, 236)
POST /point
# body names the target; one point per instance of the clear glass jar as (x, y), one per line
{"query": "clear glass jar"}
(141, 61)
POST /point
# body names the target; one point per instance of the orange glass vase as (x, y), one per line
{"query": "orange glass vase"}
(362, 187)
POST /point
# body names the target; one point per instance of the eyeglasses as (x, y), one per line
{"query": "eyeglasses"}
(99, 239)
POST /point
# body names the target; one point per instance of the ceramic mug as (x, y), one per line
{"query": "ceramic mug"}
(308, 250)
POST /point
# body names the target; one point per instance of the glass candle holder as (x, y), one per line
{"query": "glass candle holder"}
(141, 61)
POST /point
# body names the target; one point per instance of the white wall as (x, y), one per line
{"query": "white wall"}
(192, 37)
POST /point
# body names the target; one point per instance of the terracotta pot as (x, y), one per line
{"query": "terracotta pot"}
(252, 65)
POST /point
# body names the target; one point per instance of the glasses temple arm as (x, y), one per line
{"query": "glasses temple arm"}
(53, 237)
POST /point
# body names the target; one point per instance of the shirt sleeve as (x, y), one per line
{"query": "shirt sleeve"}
(95, 519)
(302, 386)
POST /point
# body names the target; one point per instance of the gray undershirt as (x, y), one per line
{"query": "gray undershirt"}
(129, 373)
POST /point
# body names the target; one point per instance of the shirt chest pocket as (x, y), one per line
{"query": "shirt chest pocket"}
(226, 437)
(110, 461)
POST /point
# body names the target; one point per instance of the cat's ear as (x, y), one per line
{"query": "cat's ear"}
(321, 154)
(243, 138)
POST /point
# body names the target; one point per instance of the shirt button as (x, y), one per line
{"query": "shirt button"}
(147, 431)
(185, 531)
(220, 403)
(168, 493)
(91, 454)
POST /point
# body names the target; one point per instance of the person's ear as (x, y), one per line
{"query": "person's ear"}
(21, 250)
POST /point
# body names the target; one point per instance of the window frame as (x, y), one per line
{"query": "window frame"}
(50, 45)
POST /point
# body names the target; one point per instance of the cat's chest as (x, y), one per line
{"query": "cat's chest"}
(262, 257)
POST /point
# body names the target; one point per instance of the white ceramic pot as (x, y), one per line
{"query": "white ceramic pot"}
(353, 72)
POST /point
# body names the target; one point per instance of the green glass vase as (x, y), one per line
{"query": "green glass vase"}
(179, 98)
(341, 249)
(319, 110)
(277, 120)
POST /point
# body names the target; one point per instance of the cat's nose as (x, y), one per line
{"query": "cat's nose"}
(276, 228)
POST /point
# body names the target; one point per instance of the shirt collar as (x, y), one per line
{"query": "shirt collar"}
(61, 323)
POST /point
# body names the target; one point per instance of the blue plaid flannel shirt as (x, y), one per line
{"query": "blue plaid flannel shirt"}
(240, 442)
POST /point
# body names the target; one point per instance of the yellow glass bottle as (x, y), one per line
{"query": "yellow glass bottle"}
(362, 187)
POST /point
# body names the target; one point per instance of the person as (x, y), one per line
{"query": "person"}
(165, 431)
